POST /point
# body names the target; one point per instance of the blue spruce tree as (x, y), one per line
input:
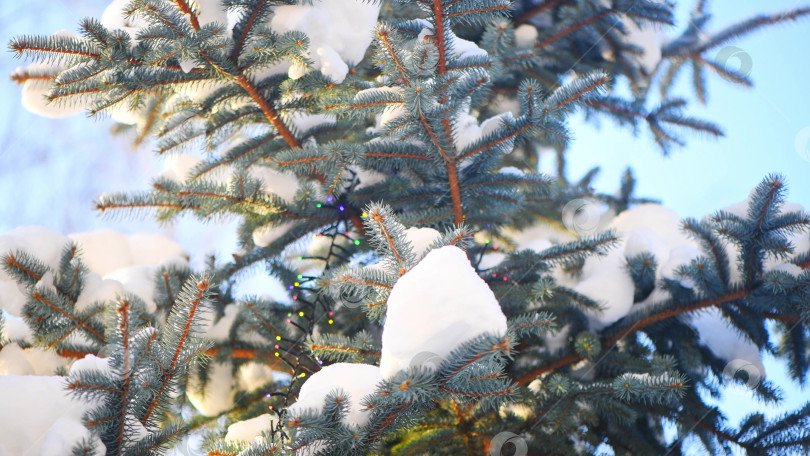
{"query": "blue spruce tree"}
(446, 295)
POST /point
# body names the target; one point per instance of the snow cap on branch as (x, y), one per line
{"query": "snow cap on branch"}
(435, 307)
(356, 380)
(339, 33)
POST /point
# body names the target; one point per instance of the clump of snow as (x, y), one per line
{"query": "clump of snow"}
(368, 177)
(209, 12)
(339, 33)
(467, 130)
(356, 380)
(91, 363)
(650, 39)
(218, 332)
(302, 121)
(249, 430)
(51, 422)
(510, 171)
(43, 243)
(98, 289)
(556, 234)
(35, 90)
(178, 167)
(124, 263)
(150, 248)
(114, 18)
(557, 339)
(282, 184)
(267, 234)
(218, 393)
(391, 111)
(647, 227)
(462, 48)
(789, 268)
(725, 341)
(138, 280)
(252, 376)
(436, 306)
(14, 362)
(15, 329)
(525, 35)
(105, 251)
(421, 239)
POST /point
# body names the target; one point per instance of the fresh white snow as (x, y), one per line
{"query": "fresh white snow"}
(435, 307)
(339, 33)
(249, 430)
(356, 381)
(48, 422)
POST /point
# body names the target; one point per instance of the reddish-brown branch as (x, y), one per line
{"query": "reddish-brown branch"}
(480, 10)
(438, 16)
(77, 385)
(496, 142)
(149, 122)
(384, 37)
(22, 47)
(237, 48)
(609, 342)
(300, 160)
(12, 260)
(573, 28)
(268, 111)
(364, 105)
(184, 8)
(80, 92)
(377, 217)
(614, 108)
(123, 310)
(21, 77)
(103, 207)
(573, 97)
(364, 282)
(166, 21)
(202, 286)
(78, 322)
(263, 320)
(455, 192)
(344, 349)
(396, 155)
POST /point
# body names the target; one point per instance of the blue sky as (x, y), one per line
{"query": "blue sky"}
(50, 170)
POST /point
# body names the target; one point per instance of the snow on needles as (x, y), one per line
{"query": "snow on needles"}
(51, 422)
(339, 33)
(117, 263)
(435, 307)
(647, 227)
(356, 380)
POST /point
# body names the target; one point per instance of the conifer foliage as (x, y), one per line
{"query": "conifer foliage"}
(445, 294)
